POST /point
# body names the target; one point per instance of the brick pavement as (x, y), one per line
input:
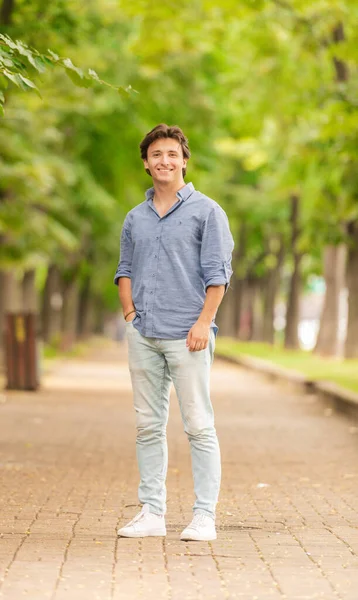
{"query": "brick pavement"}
(288, 510)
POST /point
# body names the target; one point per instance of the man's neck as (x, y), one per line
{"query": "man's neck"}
(166, 194)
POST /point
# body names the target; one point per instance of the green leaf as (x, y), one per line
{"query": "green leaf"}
(7, 62)
(77, 79)
(8, 41)
(30, 84)
(16, 79)
(38, 63)
(33, 59)
(69, 65)
(93, 74)
(54, 56)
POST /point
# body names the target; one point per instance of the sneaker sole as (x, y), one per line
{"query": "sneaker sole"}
(140, 534)
(199, 538)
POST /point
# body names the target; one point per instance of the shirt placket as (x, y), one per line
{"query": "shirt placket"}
(152, 275)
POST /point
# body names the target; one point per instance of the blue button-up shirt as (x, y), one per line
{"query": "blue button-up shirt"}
(171, 260)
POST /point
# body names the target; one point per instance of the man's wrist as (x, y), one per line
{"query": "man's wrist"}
(205, 320)
(128, 312)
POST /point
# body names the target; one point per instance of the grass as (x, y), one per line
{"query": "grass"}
(79, 349)
(52, 351)
(343, 372)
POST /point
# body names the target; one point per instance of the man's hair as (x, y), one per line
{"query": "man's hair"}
(165, 131)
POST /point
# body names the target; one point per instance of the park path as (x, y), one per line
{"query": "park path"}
(287, 516)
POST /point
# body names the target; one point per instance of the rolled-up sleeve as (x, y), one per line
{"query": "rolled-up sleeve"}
(216, 249)
(124, 268)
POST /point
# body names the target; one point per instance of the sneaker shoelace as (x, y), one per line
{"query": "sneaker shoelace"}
(198, 521)
(137, 518)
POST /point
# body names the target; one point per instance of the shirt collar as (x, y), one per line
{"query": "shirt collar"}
(182, 194)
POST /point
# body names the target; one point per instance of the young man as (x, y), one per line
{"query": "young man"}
(175, 265)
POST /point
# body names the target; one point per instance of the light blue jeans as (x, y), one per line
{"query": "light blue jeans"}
(154, 364)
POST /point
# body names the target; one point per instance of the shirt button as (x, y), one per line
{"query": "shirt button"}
(155, 256)
(151, 292)
(157, 237)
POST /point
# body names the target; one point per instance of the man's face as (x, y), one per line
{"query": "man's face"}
(165, 160)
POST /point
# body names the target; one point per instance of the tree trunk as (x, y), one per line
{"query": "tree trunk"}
(6, 11)
(11, 292)
(2, 314)
(52, 305)
(85, 311)
(29, 293)
(70, 314)
(272, 285)
(341, 67)
(245, 312)
(257, 310)
(334, 258)
(226, 314)
(248, 310)
(351, 347)
(238, 284)
(10, 301)
(228, 317)
(292, 312)
(2, 309)
(99, 315)
(238, 293)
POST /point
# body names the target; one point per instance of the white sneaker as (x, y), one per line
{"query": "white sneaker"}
(144, 524)
(201, 529)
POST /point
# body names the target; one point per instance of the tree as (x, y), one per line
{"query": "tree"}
(262, 133)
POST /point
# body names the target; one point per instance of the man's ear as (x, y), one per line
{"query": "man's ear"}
(145, 163)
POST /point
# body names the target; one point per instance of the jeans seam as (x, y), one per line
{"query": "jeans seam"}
(161, 395)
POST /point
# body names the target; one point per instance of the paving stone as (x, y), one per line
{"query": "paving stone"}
(287, 516)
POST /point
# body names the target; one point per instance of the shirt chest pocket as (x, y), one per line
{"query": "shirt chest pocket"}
(180, 232)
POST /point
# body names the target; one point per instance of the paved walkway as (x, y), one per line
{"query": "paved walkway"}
(288, 511)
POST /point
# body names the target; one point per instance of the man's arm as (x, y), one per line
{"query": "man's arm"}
(198, 336)
(215, 261)
(123, 274)
(125, 296)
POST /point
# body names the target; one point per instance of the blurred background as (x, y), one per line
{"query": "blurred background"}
(267, 93)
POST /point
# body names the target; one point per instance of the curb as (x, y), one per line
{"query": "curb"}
(336, 396)
(339, 398)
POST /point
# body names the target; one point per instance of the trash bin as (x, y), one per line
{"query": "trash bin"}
(21, 352)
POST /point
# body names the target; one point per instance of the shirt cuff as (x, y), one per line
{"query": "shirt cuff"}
(215, 281)
(119, 275)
